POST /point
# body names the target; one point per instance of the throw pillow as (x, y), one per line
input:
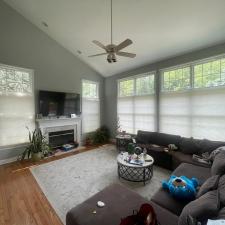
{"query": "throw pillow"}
(201, 209)
(189, 146)
(209, 185)
(218, 166)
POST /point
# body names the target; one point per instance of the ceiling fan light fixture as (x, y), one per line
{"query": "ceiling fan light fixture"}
(112, 50)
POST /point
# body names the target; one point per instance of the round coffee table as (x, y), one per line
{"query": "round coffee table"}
(132, 172)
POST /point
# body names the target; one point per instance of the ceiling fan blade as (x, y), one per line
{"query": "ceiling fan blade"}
(126, 54)
(100, 44)
(98, 54)
(123, 44)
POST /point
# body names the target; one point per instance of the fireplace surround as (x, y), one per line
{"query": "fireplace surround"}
(55, 129)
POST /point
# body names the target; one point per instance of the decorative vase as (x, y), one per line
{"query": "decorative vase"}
(36, 156)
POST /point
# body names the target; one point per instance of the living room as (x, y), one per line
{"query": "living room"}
(112, 112)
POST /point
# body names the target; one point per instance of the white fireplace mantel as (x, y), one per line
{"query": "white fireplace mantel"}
(52, 125)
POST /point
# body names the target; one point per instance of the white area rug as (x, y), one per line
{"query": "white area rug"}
(69, 181)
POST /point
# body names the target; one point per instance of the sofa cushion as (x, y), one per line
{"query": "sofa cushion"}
(221, 188)
(190, 146)
(190, 170)
(166, 139)
(218, 166)
(145, 137)
(203, 208)
(208, 146)
(180, 157)
(167, 201)
(209, 185)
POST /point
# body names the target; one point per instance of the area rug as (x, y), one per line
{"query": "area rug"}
(68, 182)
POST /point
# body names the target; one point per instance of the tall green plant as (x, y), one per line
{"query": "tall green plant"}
(37, 144)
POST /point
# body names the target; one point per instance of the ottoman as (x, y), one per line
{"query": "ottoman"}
(120, 202)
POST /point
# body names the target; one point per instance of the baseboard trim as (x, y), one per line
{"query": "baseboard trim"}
(5, 161)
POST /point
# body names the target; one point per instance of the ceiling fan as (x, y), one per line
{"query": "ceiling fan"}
(112, 50)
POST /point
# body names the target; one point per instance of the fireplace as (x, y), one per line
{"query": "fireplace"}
(61, 131)
(58, 138)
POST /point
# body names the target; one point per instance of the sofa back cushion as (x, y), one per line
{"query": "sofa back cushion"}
(166, 139)
(209, 185)
(208, 146)
(190, 146)
(218, 166)
(145, 137)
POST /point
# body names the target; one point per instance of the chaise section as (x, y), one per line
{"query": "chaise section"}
(165, 200)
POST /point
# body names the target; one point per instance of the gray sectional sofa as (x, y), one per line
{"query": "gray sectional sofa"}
(120, 201)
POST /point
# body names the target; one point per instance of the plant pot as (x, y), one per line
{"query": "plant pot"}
(36, 156)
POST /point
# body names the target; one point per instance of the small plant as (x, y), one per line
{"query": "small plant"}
(37, 147)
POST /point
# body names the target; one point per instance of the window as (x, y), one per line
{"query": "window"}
(136, 103)
(90, 106)
(177, 79)
(209, 74)
(196, 110)
(17, 105)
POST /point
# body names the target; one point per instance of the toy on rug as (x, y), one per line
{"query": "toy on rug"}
(181, 187)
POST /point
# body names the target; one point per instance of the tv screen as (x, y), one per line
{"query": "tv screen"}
(58, 103)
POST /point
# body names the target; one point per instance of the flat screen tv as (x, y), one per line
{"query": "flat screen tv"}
(55, 104)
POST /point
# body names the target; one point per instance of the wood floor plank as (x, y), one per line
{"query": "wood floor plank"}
(22, 202)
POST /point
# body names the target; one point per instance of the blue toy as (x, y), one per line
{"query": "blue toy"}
(181, 187)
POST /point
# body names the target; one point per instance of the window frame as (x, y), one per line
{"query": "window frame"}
(30, 71)
(135, 77)
(191, 64)
(97, 99)
(154, 94)
(90, 82)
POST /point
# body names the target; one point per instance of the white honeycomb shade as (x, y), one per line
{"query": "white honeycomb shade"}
(199, 114)
(16, 105)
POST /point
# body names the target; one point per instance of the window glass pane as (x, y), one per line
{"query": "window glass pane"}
(145, 85)
(90, 90)
(126, 88)
(176, 80)
(210, 74)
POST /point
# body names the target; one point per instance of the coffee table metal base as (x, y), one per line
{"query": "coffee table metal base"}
(135, 174)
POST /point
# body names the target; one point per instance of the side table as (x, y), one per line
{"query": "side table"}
(122, 142)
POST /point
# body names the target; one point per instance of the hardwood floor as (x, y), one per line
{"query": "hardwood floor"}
(21, 199)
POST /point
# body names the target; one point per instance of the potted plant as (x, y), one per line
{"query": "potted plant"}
(37, 147)
(101, 135)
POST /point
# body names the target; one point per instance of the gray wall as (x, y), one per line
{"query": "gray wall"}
(110, 112)
(23, 44)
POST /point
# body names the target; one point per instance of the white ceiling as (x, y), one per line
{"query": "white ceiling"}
(159, 28)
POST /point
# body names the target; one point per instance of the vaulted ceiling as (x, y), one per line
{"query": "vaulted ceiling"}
(159, 28)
